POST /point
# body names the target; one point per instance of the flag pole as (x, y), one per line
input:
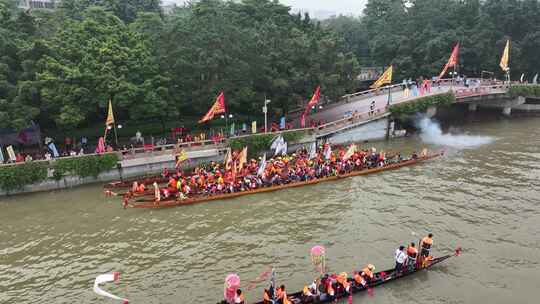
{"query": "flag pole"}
(115, 135)
(389, 96)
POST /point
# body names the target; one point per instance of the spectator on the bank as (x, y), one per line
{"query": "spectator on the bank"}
(84, 141)
(19, 158)
(138, 137)
(67, 143)
(48, 155)
(28, 158)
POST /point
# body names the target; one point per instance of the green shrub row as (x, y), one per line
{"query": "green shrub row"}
(261, 142)
(15, 177)
(403, 110)
(84, 166)
(524, 91)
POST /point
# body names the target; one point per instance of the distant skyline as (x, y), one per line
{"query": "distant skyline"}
(318, 8)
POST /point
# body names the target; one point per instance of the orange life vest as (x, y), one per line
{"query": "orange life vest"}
(427, 242)
(366, 271)
(412, 252)
(141, 188)
(172, 183)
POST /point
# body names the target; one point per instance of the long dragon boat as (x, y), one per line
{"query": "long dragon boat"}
(379, 278)
(150, 203)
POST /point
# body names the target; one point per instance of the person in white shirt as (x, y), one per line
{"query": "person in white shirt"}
(400, 257)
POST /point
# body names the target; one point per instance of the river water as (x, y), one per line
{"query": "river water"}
(485, 199)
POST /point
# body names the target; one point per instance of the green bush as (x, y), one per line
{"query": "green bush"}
(524, 91)
(261, 142)
(15, 177)
(84, 166)
(401, 111)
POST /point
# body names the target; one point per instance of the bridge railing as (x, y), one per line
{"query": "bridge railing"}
(479, 91)
(151, 150)
(351, 120)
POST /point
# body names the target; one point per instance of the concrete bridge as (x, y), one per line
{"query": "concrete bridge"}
(365, 115)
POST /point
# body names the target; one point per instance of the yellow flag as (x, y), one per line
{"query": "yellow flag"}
(254, 127)
(181, 157)
(385, 78)
(505, 57)
(242, 158)
(110, 115)
(228, 160)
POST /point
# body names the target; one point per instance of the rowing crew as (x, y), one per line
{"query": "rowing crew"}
(408, 258)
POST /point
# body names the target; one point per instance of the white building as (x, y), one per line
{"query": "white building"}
(38, 4)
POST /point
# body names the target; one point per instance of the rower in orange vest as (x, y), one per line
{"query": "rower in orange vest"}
(367, 272)
(141, 188)
(359, 279)
(172, 183)
(282, 295)
(426, 244)
(342, 280)
(412, 254)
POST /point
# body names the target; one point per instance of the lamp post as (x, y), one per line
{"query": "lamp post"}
(265, 111)
(453, 74)
(230, 116)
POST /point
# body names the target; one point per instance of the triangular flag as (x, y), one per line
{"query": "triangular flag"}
(181, 157)
(242, 158)
(110, 115)
(350, 152)
(386, 78)
(452, 61)
(505, 57)
(217, 108)
(228, 160)
(312, 102)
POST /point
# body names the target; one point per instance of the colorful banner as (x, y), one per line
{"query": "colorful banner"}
(217, 108)
(254, 127)
(505, 57)
(11, 153)
(232, 129)
(386, 78)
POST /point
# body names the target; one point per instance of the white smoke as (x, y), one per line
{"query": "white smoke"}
(431, 133)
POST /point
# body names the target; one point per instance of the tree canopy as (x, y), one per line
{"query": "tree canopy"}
(60, 68)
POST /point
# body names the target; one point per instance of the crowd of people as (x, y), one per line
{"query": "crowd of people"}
(235, 174)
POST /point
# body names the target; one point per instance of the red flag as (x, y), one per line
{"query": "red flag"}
(314, 100)
(452, 61)
(217, 108)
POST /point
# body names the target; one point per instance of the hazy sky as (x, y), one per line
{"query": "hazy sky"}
(346, 7)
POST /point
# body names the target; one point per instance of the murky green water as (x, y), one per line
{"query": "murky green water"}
(487, 200)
